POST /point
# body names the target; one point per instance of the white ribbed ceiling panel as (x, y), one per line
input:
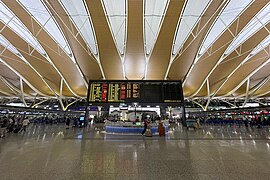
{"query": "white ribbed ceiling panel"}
(154, 11)
(116, 13)
(261, 46)
(81, 19)
(192, 13)
(262, 18)
(227, 16)
(37, 9)
(7, 17)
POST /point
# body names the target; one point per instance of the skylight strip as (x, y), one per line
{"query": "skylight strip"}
(4, 42)
(230, 13)
(42, 15)
(190, 17)
(8, 18)
(78, 13)
(261, 46)
(153, 15)
(116, 13)
(262, 18)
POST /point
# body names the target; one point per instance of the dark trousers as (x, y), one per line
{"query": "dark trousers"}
(144, 130)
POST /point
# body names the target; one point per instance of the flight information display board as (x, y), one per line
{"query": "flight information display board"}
(135, 91)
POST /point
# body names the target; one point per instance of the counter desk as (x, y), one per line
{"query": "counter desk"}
(131, 127)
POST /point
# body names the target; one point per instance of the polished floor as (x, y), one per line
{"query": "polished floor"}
(213, 152)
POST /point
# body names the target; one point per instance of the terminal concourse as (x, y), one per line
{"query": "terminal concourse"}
(134, 89)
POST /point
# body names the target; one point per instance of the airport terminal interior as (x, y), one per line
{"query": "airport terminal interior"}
(134, 89)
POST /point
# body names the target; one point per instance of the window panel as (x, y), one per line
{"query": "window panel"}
(82, 21)
(191, 15)
(37, 9)
(261, 46)
(154, 13)
(116, 14)
(262, 18)
(7, 17)
(233, 9)
(4, 42)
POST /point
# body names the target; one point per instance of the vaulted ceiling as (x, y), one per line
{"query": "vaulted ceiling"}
(218, 48)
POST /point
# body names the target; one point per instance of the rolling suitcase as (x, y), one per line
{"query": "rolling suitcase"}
(17, 129)
(148, 132)
(161, 131)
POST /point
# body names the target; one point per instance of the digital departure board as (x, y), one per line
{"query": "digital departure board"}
(135, 91)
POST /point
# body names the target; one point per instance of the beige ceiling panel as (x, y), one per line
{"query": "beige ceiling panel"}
(26, 71)
(44, 68)
(255, 84)
(37, 61)
(182, 63)
(203, 91)
(109, 57)
(240, 91)
(69, 71)
(215, 85)
(265, 89)
(244, 71)
(4, 88)
(262, 73)
(19, 43)
(67, 93)
(208, 61)
(259, 81)
(61, 60)
(27, 89)
(224, 69)
(53, 86)
(160, 57)
(7, 73)
(200, 70)
(87, 63)
(82, 54)
(11, 78)
(38, 57)
(231, 62)
(4, 94)
(135, 58)
(265, 95)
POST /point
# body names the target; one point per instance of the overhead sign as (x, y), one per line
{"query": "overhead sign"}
(135, 91)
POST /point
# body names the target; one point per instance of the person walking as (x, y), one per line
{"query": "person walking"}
(11, 125)
(3, 127)
(145, 126)
(25, 123)
(67, 123)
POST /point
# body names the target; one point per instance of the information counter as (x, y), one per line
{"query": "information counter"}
(132, 127)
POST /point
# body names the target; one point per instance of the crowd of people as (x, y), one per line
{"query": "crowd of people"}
(13, 124)
(19, 123)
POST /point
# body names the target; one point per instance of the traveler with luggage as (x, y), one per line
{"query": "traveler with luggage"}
(67, 123)
(3, 127)
(11, 125)
(145, 126)
(161, 129)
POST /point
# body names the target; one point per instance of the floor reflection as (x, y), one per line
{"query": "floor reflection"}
(212, 152)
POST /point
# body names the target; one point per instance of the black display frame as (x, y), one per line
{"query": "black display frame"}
(172, 103)
(179, 82)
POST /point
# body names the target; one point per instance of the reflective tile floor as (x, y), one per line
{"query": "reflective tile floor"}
(213, 152)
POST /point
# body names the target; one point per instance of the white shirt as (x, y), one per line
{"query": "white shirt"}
(10, 121)
(25, 122)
